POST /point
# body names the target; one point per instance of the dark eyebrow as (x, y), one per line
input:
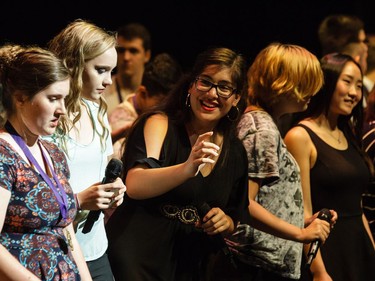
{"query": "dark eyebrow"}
(107, 67)
(221, 82)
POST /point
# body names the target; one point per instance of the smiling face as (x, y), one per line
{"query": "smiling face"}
(348, 90)
(41, 114)
(97, 74)
(207, 106)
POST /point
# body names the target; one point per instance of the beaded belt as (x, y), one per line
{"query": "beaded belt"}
(185, 214)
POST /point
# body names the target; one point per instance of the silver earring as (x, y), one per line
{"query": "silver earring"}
(187, 101)
(233, 116)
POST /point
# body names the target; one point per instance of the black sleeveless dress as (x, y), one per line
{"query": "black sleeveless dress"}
(338, 180)
(152, 239)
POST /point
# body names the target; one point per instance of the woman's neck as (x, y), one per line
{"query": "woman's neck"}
(326, 122)
(275, 114)
(197, 129)
(194, 131)
(328, 127)
(23, 131)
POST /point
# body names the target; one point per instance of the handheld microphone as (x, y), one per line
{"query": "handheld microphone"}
(218, 239)
(324, 214)
(112, 172)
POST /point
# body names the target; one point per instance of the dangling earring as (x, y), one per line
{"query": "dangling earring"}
(187, 101)
(234, 116)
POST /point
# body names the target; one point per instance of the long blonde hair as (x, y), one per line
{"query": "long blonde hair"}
(79, 42)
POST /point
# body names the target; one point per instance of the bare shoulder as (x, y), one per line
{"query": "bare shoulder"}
(298, 135)
(158, 116)
(157, 120)
(155, 131)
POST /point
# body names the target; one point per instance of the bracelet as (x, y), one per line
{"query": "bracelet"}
(77, 201)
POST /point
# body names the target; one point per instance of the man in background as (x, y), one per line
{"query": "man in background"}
(134, 51)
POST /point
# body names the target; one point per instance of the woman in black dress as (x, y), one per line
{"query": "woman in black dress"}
(335, 171)
(176, 159)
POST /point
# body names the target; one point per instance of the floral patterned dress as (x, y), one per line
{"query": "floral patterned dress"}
(33, 227)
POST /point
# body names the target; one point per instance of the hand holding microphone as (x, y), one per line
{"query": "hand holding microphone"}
(324, 214)
(217, 239)
(112, 172)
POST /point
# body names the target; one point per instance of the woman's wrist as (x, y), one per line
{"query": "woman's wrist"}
(77, 201)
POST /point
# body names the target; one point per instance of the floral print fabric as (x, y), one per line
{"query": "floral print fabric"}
(33, 227)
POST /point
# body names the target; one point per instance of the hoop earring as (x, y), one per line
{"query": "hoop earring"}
(234, 116)
(187, 101)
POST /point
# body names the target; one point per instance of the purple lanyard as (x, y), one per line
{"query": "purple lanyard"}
(59, 191)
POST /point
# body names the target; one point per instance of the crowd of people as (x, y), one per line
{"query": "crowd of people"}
(225, 167)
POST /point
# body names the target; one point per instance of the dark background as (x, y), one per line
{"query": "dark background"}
(184, 28)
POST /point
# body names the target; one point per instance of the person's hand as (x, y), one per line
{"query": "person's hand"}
(118, 196)
(201, 153)
(100, 196)
(317, 230)
(334, 217)
(215, 221)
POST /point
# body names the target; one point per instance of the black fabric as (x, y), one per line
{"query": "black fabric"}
(338, 180)
(143, 243)
(100, 269)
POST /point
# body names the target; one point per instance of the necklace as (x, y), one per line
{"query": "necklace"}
(338, 138)
(325, 129)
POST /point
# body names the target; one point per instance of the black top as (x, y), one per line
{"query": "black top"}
(338, 180)
(145, 244)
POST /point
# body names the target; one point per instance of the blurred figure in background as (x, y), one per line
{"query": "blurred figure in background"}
(369, 77)
(133, 52)
(337, 30)
(160, 75)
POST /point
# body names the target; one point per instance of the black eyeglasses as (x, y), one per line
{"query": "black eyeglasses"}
(204, 85)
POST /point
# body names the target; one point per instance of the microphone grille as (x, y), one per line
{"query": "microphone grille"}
(325, 214)
(114, 168)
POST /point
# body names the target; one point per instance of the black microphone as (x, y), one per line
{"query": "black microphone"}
(112, 172)
(218, 239)
(324, 214)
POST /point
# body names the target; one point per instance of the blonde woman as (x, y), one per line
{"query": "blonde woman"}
(90, 53)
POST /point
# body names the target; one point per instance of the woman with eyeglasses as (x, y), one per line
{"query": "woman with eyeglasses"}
(186, 175)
